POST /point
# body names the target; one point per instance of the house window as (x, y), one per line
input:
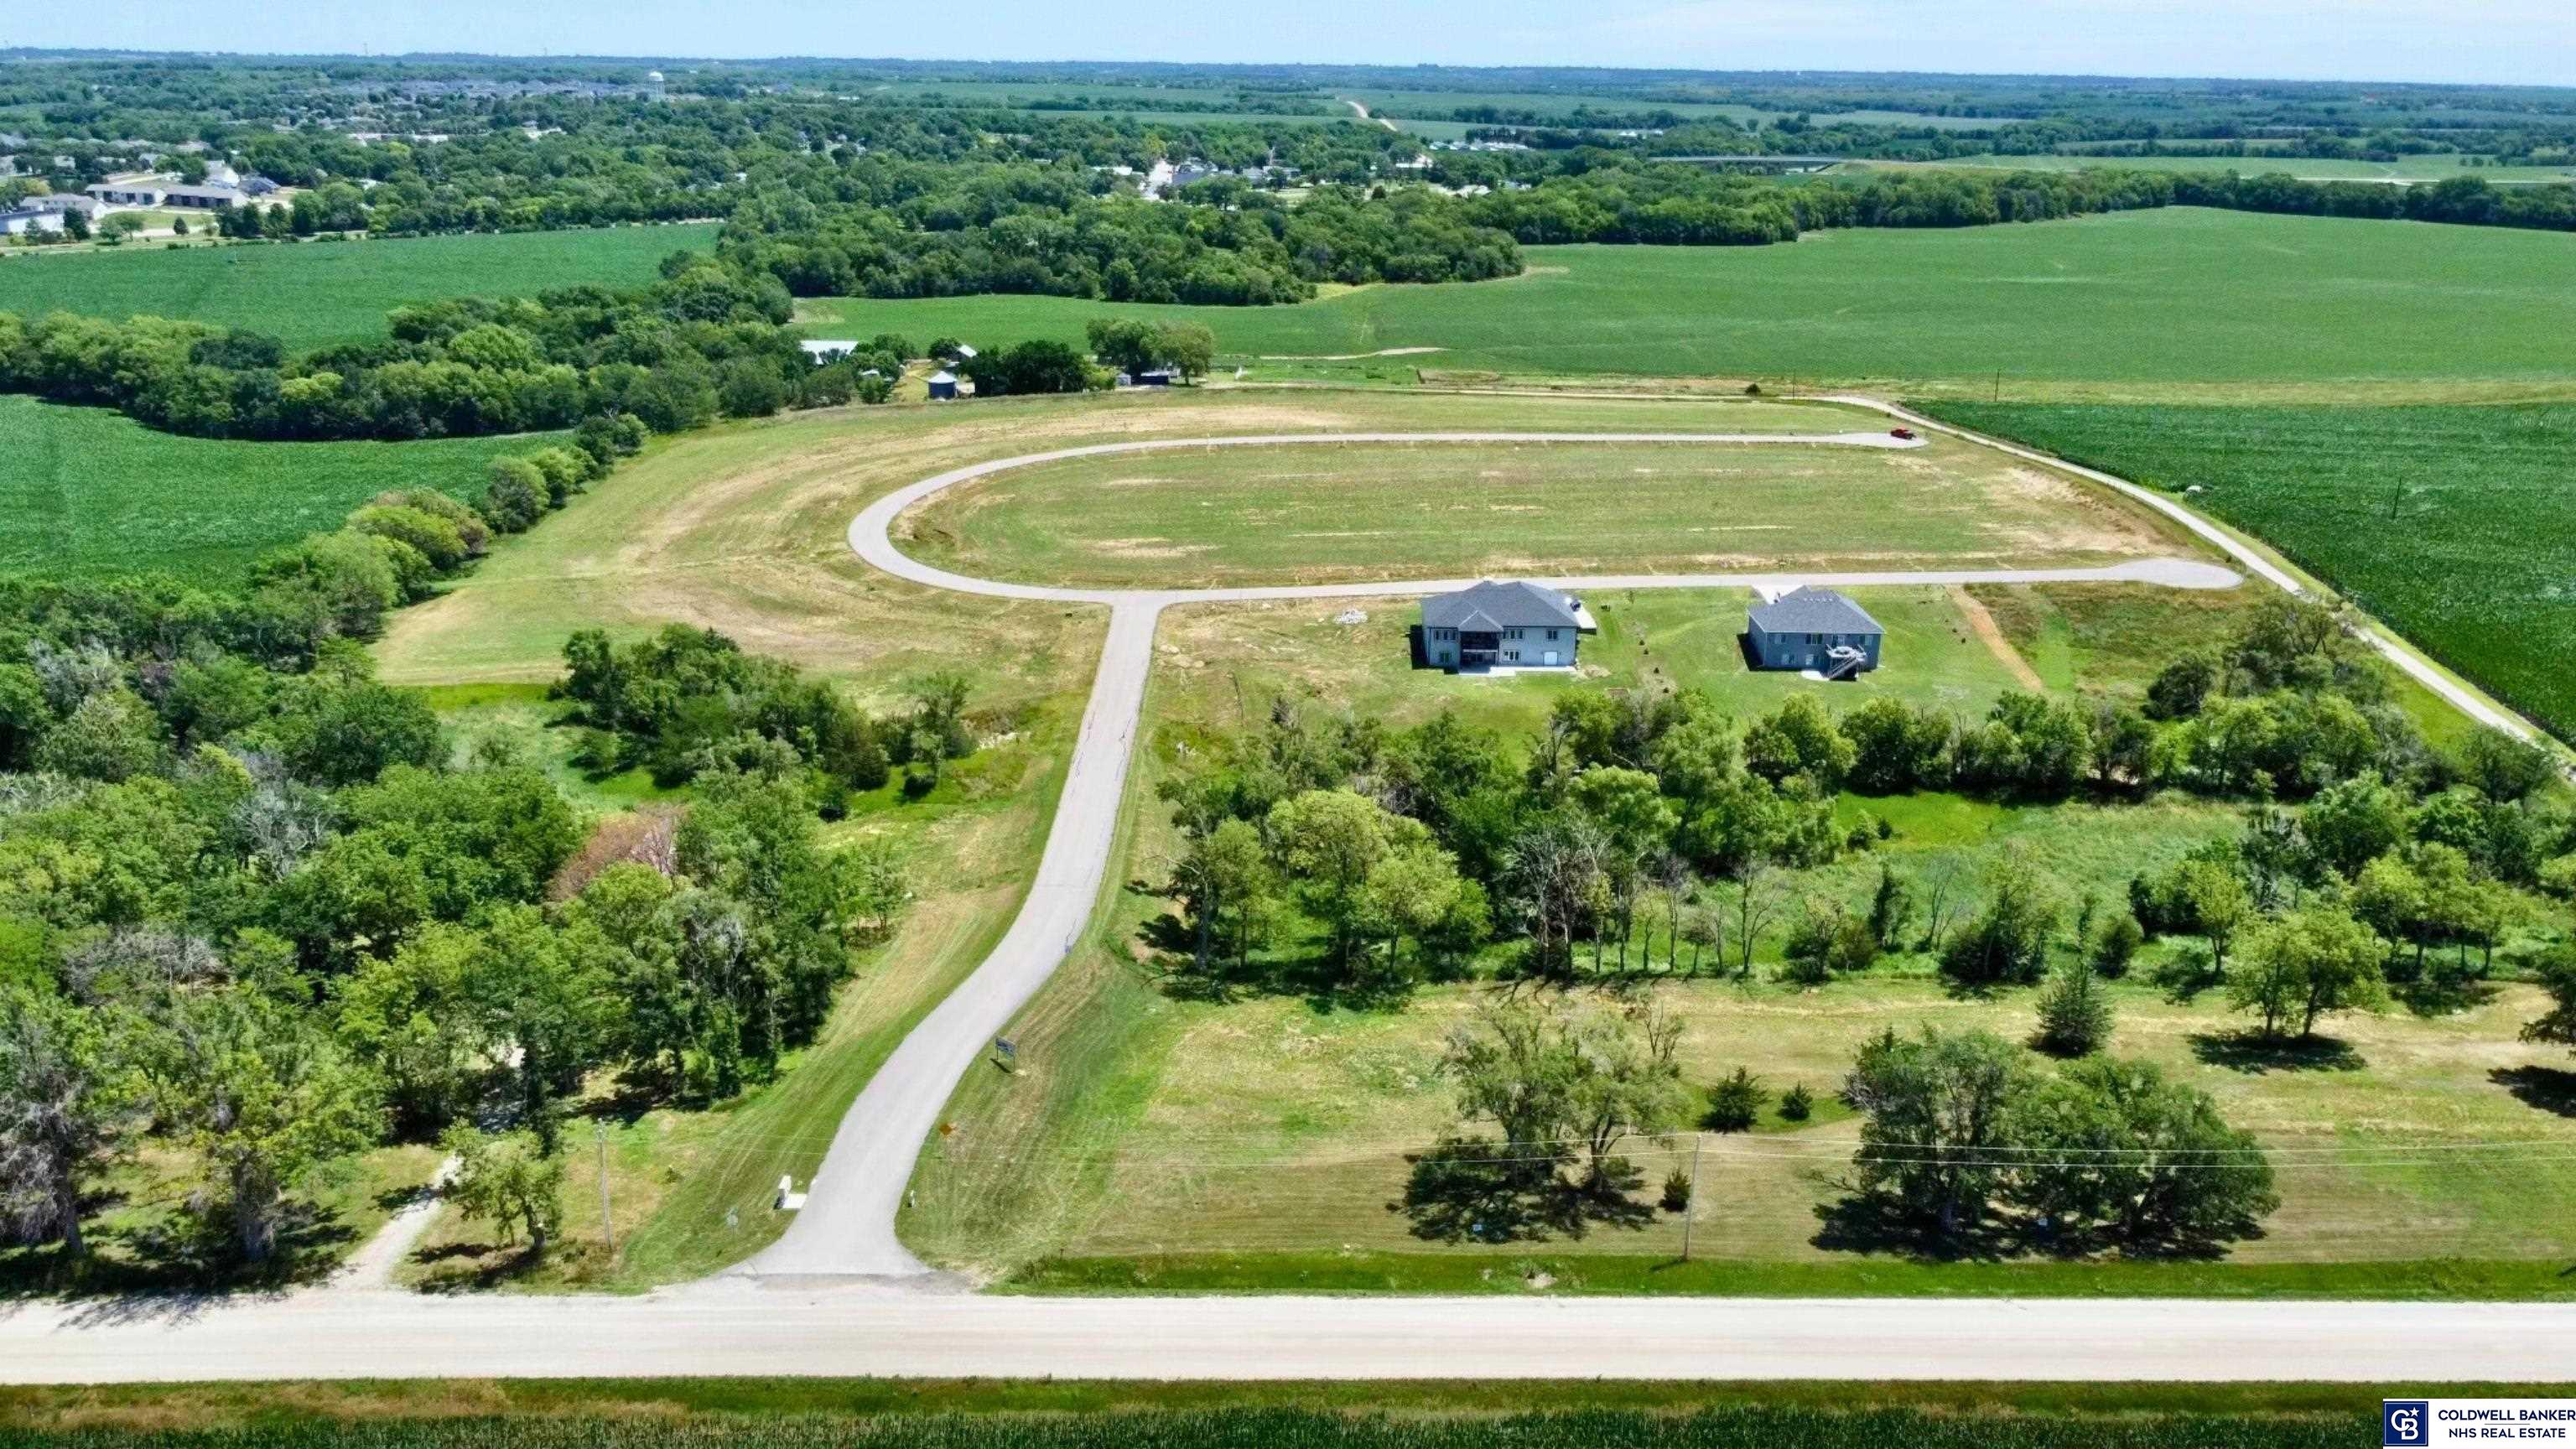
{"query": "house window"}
(1551, 636)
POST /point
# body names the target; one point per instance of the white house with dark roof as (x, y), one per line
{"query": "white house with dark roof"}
(1812, 628)
(1503, 625)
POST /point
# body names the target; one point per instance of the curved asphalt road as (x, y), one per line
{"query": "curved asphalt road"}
(846, 1228)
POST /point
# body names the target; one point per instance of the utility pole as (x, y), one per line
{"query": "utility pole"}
(1690, 1209)
(607, 1223)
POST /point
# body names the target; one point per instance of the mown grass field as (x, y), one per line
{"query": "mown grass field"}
(87, 491)
(315, 293)
(2141, 306)
(1157, 1136)
(741, 528)
(1314, 514)
(744, 528)
(2456, 525)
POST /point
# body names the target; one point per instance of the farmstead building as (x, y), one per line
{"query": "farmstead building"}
(1515, 625)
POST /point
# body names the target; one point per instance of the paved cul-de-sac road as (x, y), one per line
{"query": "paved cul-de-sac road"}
(839, 1295)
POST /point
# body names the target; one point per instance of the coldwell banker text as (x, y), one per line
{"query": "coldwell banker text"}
(2412, 1423)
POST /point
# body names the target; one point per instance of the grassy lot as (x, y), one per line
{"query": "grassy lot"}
(2455, 525)
(741, 528)
(1229, 516)
(1146, 1124)
(1153, 1137)
(316, 293)
(89, 491)
(744, 527)
(2142, 306)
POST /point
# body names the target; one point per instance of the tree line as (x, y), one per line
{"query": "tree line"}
(704, 341)
(1044, 230)
(1640, 202)
(1645, 830)
(257, 910)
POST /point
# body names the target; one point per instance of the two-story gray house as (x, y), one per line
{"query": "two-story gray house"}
(1816, 629)
(1514, 625)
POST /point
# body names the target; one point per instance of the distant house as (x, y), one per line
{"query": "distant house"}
(821, 350)
(60, 201)
(1814, 629)
(943, 386)
(156, 191)
(201, 198)
(21, 220)
(1505, 625)
(145, 191)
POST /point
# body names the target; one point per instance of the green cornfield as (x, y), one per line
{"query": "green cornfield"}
(316, 293)
(2184, 295)
(2457, 525)
(89, 492)
(1755, 1427)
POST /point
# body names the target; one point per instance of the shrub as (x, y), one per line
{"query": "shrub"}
(1828, 939)
(1797, 1104)
(435, 537)
(470, 528)
(562, 472)
(2008, 940)
(1677, 1189)
(2115, 943)
(608, 437)
(2074, 1013)
(516, 494)
(1735, 1103)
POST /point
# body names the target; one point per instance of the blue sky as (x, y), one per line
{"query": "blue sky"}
(2517, 41)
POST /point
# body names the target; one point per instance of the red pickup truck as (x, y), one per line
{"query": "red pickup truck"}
(1906, 433)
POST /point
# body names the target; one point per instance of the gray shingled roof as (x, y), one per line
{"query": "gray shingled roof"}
(1492, 605)
(1813, 611)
